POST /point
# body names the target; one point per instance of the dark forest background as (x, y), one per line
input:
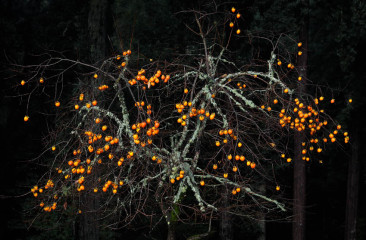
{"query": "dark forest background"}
(155, 29)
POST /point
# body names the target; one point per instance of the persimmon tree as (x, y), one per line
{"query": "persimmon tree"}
(178, 136)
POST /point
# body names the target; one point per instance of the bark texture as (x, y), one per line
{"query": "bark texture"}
(89, 222)
(97, 29)
(353, 186)
(298, 226)
(97, 25)
(262, 216)
(225, 219)
(171, 232)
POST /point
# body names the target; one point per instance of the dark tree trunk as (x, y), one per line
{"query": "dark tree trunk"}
(352, 186)
(298, 226)
(89, 224)
(89, 218)
(97, 29)
(171, 231)
(172, 222)
(225, 219)
(262, 216)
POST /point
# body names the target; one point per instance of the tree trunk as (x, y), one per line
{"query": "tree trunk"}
(262, 216)
(97, 29)
(89, 218)
(172, 222)
(171, 231)
(352, 187)
(298, 226)
(88, 228)
(225, 219)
